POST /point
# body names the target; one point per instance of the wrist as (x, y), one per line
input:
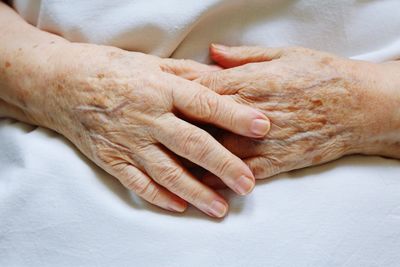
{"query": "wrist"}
(28, 81)
(381, 101)
(25, 70)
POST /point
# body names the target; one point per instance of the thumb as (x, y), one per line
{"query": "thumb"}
(186, 68)
(233, 56)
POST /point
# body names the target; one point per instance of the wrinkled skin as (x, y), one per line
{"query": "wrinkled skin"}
(127, 112)
(121, 110)
(122, 116)
(321, 107)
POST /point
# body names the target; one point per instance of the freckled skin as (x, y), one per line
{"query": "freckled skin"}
(319, 106)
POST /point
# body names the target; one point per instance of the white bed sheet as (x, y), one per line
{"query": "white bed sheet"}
(58, 209)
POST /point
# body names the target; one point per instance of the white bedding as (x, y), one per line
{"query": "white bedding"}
(58, 209)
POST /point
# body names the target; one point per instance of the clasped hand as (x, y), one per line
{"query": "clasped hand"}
(133, 114)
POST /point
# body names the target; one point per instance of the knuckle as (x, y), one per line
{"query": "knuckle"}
(263, 168)
(224, 166)
(207, 105)
(169, 176)
(259, 170)
(203, 152)
(213, 80)
(204, 80)
(106, 158)
(195, 195)
(207, 80)
(154, 195)
(139, 186)
(195, 142)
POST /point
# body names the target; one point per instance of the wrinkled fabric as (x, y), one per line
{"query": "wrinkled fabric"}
(59, 209)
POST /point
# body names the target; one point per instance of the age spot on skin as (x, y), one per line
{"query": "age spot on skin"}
(309, 149)
(292, 108)
(7, 64)
(323, 121)
(316, 159)
(100, 76)
(316, 102)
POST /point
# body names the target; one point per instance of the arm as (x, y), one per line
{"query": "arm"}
(119, 107)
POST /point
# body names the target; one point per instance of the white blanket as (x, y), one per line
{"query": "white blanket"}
(59, 209)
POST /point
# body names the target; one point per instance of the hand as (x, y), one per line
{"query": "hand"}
(321, 106)
(119, 108)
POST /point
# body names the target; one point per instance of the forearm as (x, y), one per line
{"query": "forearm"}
(24, 70)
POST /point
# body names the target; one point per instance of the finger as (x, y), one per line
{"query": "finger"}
(244, 147)
(213, 181)
(229, 57)
(263, 167)
(200, 103)
(165, 169)
(202, 149)
(223, 82)
(135, 180)
(186, 68)
(252, 152)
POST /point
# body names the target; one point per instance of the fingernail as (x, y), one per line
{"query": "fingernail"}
(260, 127)
(217, 209)
(244, 185)
(173, 206)
(220, 47)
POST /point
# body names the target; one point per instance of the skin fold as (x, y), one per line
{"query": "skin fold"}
(121, 109)
(321, 106)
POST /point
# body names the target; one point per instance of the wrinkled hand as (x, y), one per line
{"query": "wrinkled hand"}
(119, 108)
(321, 107)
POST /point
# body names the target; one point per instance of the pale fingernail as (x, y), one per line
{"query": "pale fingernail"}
(217, 209)
(220, 47)
(244, 185)
(260, 127)
(173, 206)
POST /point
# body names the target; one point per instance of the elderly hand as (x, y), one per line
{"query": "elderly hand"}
(120, 109)
(321, 106)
